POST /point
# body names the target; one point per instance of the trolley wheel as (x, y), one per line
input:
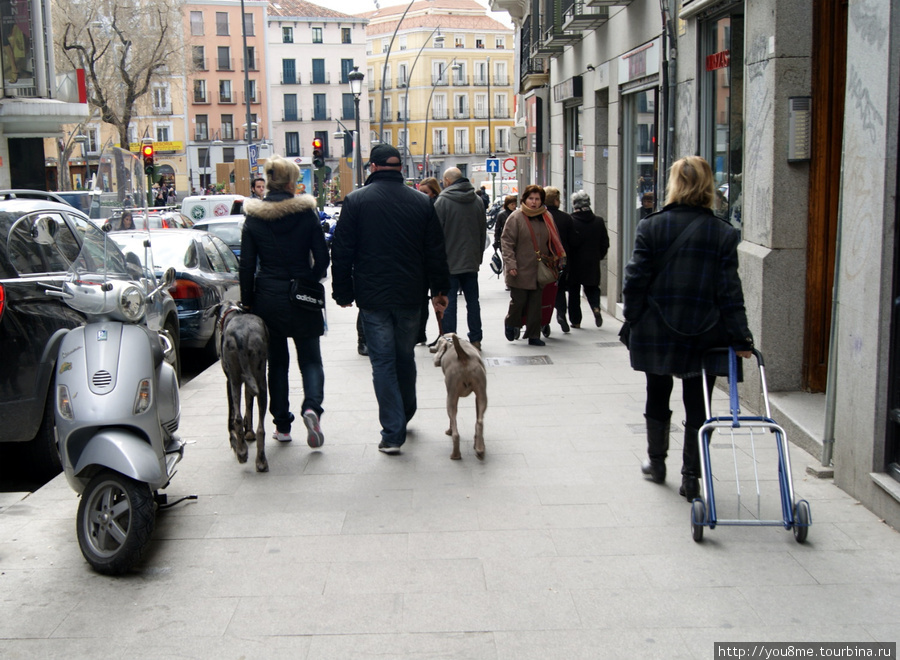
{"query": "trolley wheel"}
(801, 520)
(698, 517)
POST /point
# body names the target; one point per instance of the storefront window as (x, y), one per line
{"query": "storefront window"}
(639, 166)
(723, 90)
(575, 156)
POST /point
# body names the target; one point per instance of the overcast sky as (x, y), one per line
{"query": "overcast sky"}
(359, 6)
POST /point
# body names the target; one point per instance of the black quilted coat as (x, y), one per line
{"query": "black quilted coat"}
(695, 303)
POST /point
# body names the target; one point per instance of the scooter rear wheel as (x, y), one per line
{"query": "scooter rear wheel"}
(115, 520)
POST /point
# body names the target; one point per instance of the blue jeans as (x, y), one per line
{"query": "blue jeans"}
(468, 284)
(391, 338)
(309, 358)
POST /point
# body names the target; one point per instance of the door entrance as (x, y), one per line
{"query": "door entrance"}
(829, 69)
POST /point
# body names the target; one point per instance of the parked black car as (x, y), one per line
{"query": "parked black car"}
(32, 322)
(206, 273)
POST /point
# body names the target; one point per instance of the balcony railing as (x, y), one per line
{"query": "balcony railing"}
(461, 114)
(225, 64)
(481, 114)
(440, 81)
(200, 64)
(480, 81)
(348, 113)
(321, 115)
(162, 109)
(201, 135)
(227, 97)
(440, 150)
(461, 81)
(201, 97)
(500, 81)
(461, 149)
(254, 65)
(290, 80)
(291, 115)
(482, 149)
(321, 79)
(501, 113)
(440, 114)
(254, 98)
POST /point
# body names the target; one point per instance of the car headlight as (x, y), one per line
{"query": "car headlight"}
(133, 303)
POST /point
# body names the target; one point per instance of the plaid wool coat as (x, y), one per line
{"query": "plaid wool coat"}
(694, 303)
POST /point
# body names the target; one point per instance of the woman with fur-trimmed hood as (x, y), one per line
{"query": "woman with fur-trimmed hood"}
(282, 240)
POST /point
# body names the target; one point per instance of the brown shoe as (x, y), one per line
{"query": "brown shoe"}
(477, 344)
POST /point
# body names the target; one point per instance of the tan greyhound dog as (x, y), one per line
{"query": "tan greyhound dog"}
(464, 373)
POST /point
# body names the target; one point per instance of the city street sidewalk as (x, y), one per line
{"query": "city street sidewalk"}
(553, 546)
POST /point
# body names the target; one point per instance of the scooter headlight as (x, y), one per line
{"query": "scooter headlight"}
(144, 397)
(64, 402)
(133, 303)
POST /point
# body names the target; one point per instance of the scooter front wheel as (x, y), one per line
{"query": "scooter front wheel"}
(115, 520)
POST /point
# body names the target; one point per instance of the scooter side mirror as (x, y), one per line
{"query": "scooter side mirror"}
(44, 230)
(169, 277)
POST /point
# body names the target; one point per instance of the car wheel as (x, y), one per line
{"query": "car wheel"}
(42, 453)
(174, 357)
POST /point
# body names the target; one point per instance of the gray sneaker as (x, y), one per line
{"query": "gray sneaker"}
(316, 438)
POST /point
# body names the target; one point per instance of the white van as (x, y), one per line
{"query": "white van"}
(204, 207)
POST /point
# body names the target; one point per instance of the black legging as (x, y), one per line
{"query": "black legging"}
(659, 389)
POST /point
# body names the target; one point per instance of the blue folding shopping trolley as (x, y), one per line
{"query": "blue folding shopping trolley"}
(795, 514)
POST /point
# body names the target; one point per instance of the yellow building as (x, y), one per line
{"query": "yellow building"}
(443, 95)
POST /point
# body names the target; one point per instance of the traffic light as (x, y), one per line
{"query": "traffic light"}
(318, 160)
(147, 153)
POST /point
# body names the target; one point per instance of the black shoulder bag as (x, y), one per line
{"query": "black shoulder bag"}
(625, 332)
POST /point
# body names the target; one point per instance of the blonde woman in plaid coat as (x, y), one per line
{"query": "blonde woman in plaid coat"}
(694, 302)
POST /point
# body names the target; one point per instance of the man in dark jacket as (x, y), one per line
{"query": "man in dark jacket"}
(564, 225)
(461, 216)
(388, 249)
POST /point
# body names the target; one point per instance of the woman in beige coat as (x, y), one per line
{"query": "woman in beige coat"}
(521, 262)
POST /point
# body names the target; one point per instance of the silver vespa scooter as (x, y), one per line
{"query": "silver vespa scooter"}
(117, 404)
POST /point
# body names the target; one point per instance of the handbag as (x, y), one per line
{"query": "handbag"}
(496, 263)
(307, 295)
(625, 334)
(548, 265)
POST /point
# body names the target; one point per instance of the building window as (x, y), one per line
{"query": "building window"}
(290, 107)
(223, 58)
(402, 80)
(479, 42)
(638, 155)
(287, 35)
(198, 58)
(292, 144)
(501, 139)
(288, 72)
(200, 91)
(500, 79)
(161, 100)
(221, 24)
(318, 72)
(162, 133)
(197, 23)
(387, 137)
(225, 94)
(227, 154)
(348, 107)
(346, 69)
(251, 59)
(320, 107)
(248, 25)
(721, 116)
(227, 127)
(402, 42)
(201, 131)
(482, 145)
(254, 127)
(384, 45)
(499, 42)
(251, 87)
(461, 106)
(317, 35)
(439, 141)
(346, 36)
(459, 41)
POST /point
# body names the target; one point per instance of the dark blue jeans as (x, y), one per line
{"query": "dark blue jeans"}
(391, 338)
(468, 284)
(309, 357)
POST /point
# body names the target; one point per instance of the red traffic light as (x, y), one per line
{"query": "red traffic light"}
(147, 151)
(317, 143)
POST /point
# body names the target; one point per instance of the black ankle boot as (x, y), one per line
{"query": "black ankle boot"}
(690, 466)
(657, 449)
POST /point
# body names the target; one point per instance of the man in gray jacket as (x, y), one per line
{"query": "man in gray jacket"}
(461, 215)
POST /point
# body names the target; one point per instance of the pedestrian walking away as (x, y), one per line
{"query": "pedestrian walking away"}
(388, 247)
(682, 296)
(521, 262)
(588, 245)
(431, 187)
(461, 216)
(281, 241)
(564, 226)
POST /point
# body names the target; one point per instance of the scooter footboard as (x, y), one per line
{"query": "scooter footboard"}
(122, 451)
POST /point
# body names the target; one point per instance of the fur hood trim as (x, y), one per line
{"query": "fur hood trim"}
(266, 210)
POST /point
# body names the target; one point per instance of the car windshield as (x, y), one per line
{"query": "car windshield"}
(230, 232)
(173, 249)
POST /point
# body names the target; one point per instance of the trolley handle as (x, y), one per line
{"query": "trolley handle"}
(734, 399)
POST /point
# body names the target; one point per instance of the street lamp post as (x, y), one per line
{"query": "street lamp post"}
(249, 134)
(355, 79)
(214, 142)
(342, 135)
(490, 148)
(384, 69)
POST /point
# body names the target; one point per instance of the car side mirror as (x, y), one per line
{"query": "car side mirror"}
(169, 277)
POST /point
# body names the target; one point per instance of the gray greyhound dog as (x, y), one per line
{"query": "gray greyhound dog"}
(243, 350)
(464, 373)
